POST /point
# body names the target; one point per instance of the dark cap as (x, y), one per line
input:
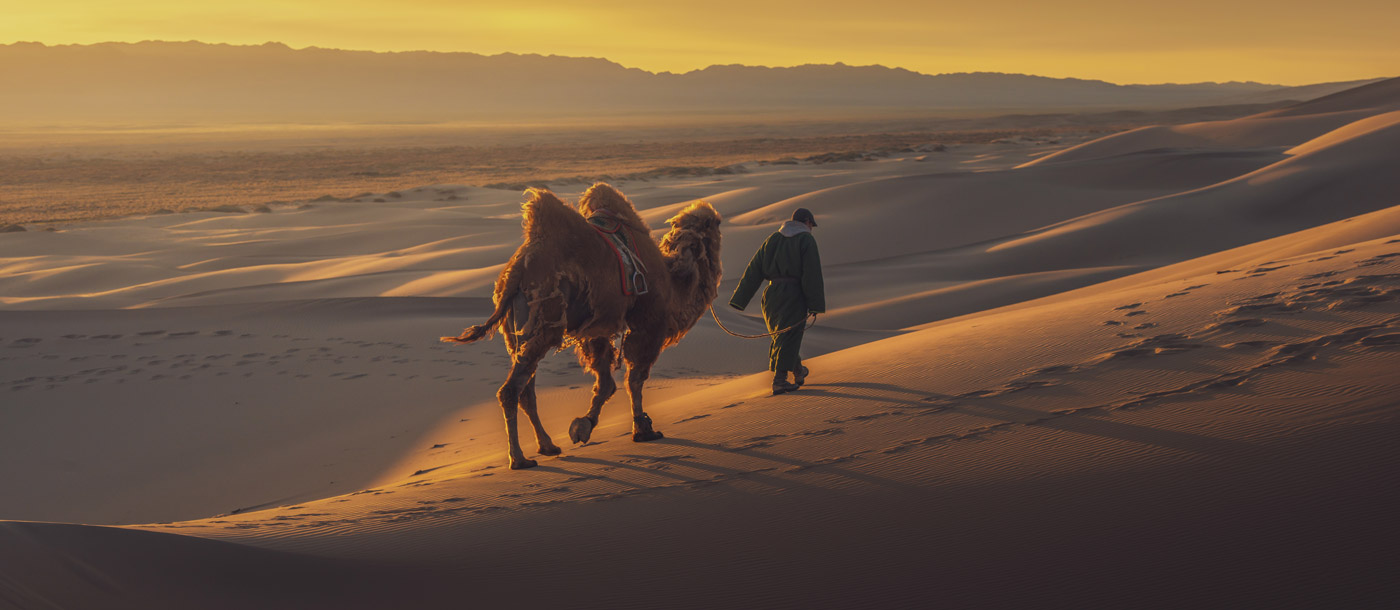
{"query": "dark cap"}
(804, 215)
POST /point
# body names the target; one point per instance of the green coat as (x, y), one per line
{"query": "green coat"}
(784, 303)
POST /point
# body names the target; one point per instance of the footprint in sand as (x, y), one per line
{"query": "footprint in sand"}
(1135, 313)
(693, 418)
(1235, 324)
(1376, 260)
(1128, 306)
(1390, 340)
(1158, 345)
(1057, 369)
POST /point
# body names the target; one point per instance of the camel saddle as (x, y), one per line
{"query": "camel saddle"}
(633, 272)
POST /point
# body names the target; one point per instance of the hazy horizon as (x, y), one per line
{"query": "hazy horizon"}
(659, 72)
(1289, 42)
(210, 83)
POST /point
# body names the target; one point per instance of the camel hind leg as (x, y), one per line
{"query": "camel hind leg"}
(641, 351)
(527, 404)
(599, 356)
(526, 351)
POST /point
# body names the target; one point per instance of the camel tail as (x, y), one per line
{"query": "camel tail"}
(507, 286)
(542, 215)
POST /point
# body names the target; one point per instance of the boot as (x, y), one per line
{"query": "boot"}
(799, 376)
(781, 384)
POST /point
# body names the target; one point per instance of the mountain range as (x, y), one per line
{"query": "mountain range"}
(195, 81)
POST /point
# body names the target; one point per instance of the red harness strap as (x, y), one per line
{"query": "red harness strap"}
(609, 228)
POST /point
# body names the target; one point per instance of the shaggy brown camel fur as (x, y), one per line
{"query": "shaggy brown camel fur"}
(563, 283)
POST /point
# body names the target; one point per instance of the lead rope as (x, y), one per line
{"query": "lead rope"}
(812, 316)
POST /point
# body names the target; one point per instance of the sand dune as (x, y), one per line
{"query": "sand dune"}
(1287, 126)
(1106, 376)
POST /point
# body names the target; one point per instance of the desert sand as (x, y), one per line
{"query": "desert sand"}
(1156, 369)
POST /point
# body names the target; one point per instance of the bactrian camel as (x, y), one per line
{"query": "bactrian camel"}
(563, 283)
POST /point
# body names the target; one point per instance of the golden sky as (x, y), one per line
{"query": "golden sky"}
(1122, 41)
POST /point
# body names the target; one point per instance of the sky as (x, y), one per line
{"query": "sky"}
(1288, 42)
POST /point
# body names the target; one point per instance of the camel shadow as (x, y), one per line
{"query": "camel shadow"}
(821, 390)
(796, 464)
(588, 475)
(1097, 426)
(725, 474)
(866, 385)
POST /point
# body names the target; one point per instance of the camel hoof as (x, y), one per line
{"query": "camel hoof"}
(581, 430)
(642, 430)
(550, 450)
(522, 464)
(642, 436)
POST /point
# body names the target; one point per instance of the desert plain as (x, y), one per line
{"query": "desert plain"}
(1127, 366)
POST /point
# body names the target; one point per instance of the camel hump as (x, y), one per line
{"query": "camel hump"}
(697, 216)
(603, 197)
(545, 213)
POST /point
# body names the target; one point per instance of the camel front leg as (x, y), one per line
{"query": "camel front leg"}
(641, 422)
(641, 354)
(527, 403)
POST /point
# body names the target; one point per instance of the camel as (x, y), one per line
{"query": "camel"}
(563, 284)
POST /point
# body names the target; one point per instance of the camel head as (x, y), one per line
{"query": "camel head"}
(691, 249)
(602, 196)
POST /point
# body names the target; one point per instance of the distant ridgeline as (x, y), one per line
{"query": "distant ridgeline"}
(175, 81)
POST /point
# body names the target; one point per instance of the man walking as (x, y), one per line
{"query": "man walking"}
(788, 259)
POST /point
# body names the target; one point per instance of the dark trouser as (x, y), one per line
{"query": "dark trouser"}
(783, 356)
(784, 306)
